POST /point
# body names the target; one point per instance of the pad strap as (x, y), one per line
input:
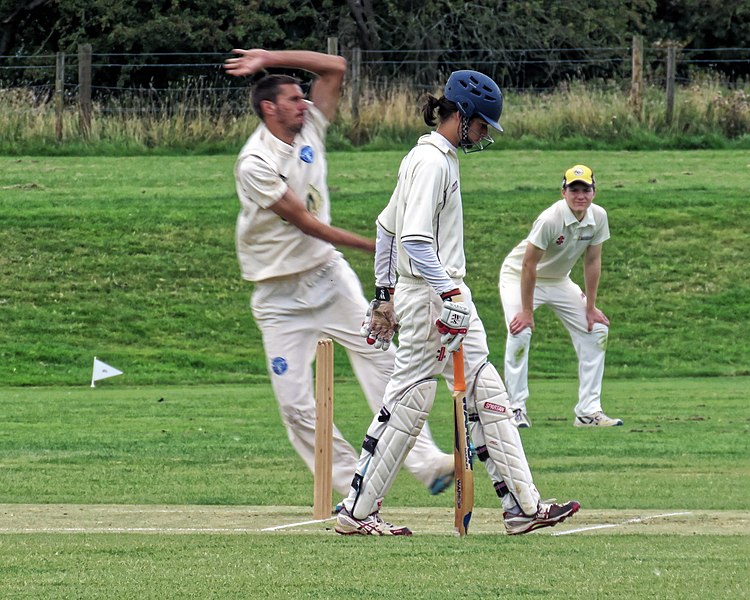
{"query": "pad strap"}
(377, 469)
(501, 439)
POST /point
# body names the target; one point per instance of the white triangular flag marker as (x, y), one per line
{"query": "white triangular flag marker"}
(102, 371)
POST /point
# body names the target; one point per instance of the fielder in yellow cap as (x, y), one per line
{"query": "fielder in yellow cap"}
(578, 173)
(537, 273)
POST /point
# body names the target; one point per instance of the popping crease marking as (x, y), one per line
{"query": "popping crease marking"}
(155, 529)
(128, 530)
(277, 527)
(626, 522)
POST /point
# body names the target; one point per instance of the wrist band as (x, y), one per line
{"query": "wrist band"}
(449, 295)
(384, 293)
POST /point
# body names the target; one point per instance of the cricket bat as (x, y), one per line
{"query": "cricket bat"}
(464, 474)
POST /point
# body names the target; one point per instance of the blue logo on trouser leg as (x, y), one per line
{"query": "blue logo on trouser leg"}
(279, 365)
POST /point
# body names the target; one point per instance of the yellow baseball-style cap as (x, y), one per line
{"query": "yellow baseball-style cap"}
(579, 173)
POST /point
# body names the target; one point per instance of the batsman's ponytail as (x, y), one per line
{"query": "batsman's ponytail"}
(445, 108)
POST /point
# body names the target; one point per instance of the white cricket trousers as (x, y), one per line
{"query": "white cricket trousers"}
(293, 313)
(420, 354)
(568, 302)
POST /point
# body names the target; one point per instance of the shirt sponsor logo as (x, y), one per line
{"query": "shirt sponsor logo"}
(494, 407)
(585, 238)
(306, 154)
(560, 241)
(279, 365)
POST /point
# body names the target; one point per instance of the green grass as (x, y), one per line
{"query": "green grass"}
(226, 445)
(281, 567)
(132, 260)
(684, 447)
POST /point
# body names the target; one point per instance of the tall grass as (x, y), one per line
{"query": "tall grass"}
(707, 114)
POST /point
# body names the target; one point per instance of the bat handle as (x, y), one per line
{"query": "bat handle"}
(459, 378)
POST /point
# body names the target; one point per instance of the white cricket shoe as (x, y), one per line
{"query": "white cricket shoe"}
(348, 524)
(598, 419)
(548, 514)
(444, 477)
(520, 419)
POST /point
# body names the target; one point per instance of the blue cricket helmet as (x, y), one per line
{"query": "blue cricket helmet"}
(476, 95)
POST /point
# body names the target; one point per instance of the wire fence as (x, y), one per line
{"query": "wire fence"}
(126, 82)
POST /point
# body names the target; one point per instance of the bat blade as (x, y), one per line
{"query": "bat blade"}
(464, 473)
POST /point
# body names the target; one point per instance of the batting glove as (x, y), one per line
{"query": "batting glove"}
(453, 323)
(380, 322)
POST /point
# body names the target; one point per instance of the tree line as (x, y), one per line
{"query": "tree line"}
(418, 39)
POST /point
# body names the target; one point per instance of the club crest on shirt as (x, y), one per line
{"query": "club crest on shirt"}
(306, 154)
(279, 365)
(314, 200)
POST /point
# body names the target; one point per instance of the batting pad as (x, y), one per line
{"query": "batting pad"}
(502, 438)
(401, 430)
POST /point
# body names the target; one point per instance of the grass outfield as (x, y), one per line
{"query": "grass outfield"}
(684, 446)
(297, 566)
(132, 259)
(183, 492)
(159, 483)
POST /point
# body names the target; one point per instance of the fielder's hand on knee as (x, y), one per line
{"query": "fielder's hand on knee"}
(380, 322)
(453, 323)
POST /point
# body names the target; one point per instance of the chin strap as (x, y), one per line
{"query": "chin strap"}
(465, 143)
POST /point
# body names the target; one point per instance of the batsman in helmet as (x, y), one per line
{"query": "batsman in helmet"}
(419, 271)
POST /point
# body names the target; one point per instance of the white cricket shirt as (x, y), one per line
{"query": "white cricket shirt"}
(563, 238)
(426, 206)
(268, 246)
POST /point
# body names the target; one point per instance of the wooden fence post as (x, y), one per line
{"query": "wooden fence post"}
(356, 83)
(59, 94)
(84, 88)
(671, 68)
(333, 45)
(636, 82)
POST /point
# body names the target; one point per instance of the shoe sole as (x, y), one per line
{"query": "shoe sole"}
(441, 484)
(548, 522)
(356, 532)
(406, 533)
(361, 530)
(576, 423)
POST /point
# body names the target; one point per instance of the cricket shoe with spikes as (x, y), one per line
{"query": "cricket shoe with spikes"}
(348, 524)
(441, 483)
(444, 477)
(520, 419)
(598, 419)
(548, 514)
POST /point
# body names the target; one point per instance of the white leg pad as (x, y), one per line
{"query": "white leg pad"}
(502, 439)
(392, 440)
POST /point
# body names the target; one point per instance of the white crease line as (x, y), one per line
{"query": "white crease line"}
(154, 529)
(127, 530)
(628, 521)
(277, 527)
